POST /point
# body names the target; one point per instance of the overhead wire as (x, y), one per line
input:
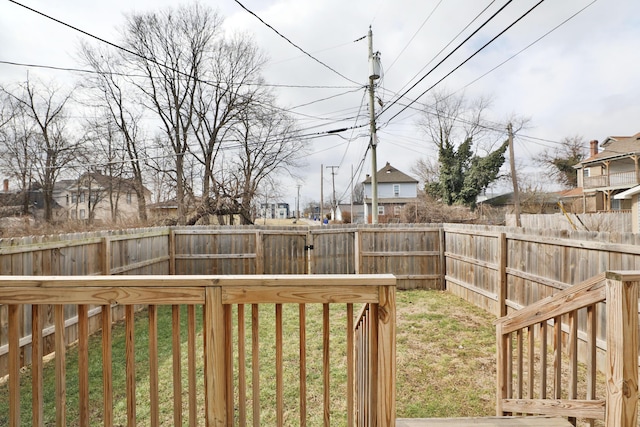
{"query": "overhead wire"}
(528, 46)
(468, 59)
(293, 44)
(392, 103)
(414, 35)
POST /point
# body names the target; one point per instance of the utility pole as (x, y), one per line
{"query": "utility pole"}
(298, 204)
(352, 194)
(514, 178)
(374, 74)
(321, 194)
(334, 203)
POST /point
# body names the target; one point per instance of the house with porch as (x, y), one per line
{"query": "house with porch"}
(608, 172)
(395, 190)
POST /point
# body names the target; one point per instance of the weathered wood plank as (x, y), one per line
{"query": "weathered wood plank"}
(101, 296)
(557, 407)
(485, 422)
(297, 295)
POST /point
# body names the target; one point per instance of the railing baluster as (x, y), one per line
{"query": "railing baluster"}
(557, 357)
(531, 360)
(302, 314)
(153, 366)
(14, 365)
(228, 362)
(543, 360)
(573, 358)
(519, 363)
(255, 363)
(279, 369)
(350, 368)
(591, 354)
(61, 386)
(325, 364)
(107, 380)
(242, 381)
(83, 364)
(130, 363)
(37, 347)
(177, 365)
(191, 367)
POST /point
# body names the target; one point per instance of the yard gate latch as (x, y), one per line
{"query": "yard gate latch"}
(308, 247)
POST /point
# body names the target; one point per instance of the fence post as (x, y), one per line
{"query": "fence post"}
(214, 359)
(502, 272)
(443, 259)
(106, 256)
(259, 252)
(172, 251)
(622, 351)
(356, 251)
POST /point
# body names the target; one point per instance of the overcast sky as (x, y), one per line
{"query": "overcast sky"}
(581, 79)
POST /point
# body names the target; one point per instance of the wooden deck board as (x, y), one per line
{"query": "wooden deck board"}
(485, 422)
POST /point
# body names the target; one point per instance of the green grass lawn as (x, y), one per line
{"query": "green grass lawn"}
(445, 364)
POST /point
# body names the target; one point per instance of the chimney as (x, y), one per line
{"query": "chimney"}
(5, 185)
(594, 147)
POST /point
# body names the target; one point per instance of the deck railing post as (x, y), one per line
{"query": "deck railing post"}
(386, 375)
(214, 359)
(622, 352)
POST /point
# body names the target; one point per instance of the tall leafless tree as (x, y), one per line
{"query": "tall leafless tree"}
(17, 136)
(170, 49)
(53, 148)
(114, 96)
(235, 83)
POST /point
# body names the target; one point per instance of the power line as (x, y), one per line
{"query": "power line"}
(292, 43)
(528, 46)
(445, 58)
(468, 59)
(414, 35)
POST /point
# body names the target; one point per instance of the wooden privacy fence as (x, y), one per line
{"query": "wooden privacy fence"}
(224, 355)
(504, 269)
(530, 376)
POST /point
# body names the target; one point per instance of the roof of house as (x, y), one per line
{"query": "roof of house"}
(390, 174)
(616, 147)
(573, 192)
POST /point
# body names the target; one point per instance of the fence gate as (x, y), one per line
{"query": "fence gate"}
(285, 252)
(333, 251)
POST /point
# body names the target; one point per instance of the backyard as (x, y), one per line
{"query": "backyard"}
(445, 365)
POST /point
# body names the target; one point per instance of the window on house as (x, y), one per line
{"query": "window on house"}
(129, 198)
(396, 210)
(74, 198)
(396, 190)
(82, 214)
(586, 172)
(82, 197)
(67, 200)
(380, 210)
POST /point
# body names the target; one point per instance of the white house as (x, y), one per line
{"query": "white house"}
(274, 210)
(395, 190)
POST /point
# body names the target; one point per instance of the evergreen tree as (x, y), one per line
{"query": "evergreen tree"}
(464, 175)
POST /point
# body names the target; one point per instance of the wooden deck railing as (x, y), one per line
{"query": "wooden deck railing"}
(227, 373)
(529, 383)
(616, 179)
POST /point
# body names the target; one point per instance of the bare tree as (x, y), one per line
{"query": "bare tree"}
(113, 95)
(269, 144)
(53, 149)
(235, 67)
(170, 48)
(559, 161)
(17, 136)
